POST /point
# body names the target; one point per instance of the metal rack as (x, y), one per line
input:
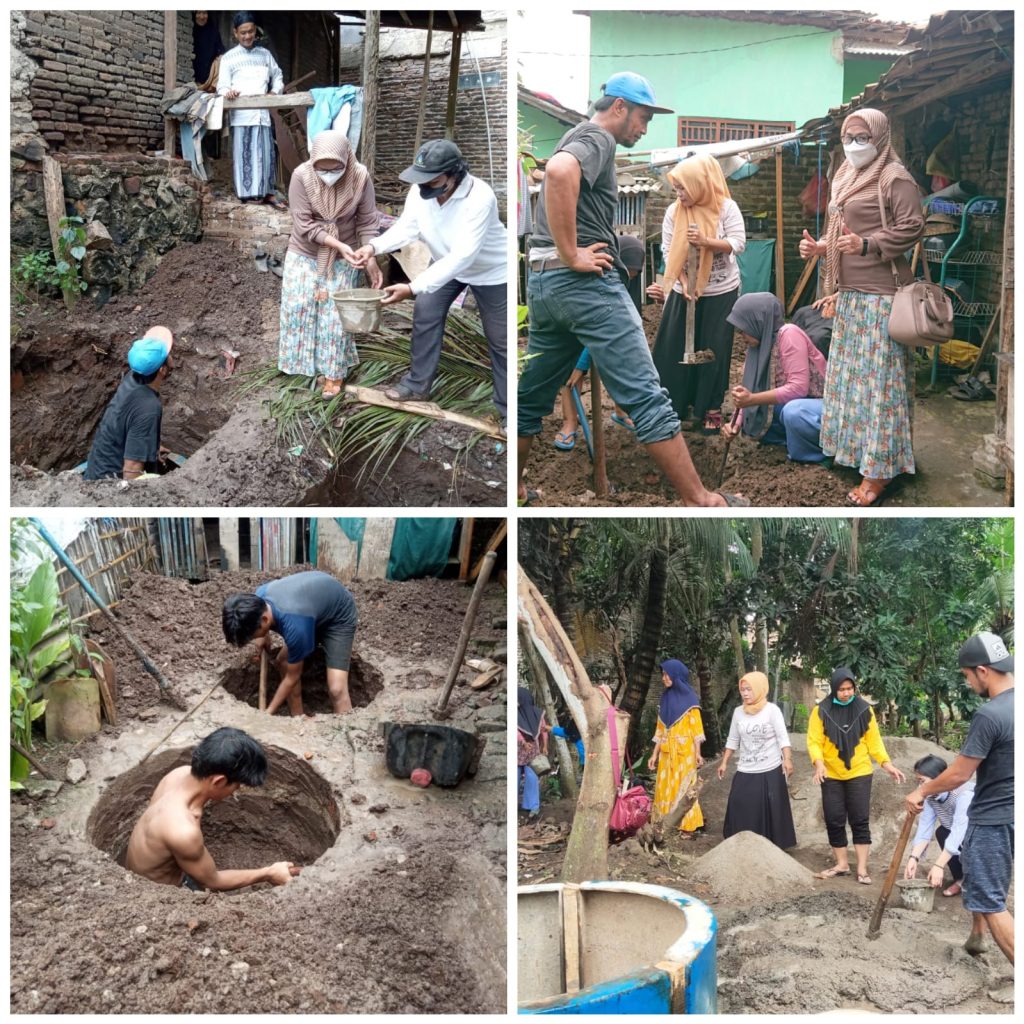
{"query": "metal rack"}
(963, 270)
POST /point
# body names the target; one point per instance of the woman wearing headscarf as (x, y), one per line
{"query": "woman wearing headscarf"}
(945, 815)
(705, 224)
(866, 417)
(779, 401)
(677, 742)
(759, 798)
(334, 211)
(207, 46)
(531, 740)
(842, 739)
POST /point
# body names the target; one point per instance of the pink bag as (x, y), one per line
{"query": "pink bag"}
(632, 807)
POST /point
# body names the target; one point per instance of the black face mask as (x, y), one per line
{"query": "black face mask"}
(426, 192)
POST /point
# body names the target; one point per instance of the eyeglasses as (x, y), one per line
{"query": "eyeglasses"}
(861, 140)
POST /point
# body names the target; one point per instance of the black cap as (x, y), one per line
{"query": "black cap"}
(840, 676)
(631, 252)
(434, 158)
(986, 649)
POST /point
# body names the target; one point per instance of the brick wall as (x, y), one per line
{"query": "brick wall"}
(400, 82)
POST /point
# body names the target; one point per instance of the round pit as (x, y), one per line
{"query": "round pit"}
(364, 683)
(292, 816)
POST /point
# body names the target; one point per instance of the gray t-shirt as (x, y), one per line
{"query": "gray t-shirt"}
(598, 200)
(304, 606)
(130, 429)
(990, 737)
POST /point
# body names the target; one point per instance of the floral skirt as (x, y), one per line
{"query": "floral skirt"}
(866, 408)
(312, 338)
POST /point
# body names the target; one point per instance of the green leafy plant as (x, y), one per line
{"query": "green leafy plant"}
(42, 646)
(36, 273)
(800, 717)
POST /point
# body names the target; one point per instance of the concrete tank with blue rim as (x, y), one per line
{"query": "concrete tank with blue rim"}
(615, 947)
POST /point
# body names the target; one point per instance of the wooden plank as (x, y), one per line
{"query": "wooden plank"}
(170, 75)
(264, 663)
(972, 75)
(780, 253)
(597, 428)
(53, 193)
(255, 562)
(465, 543)
(492, 545)
(571, 937)
(271, 101)
(371, 90)
(229, 543)
(801, 283)
(453, 84)
(431, 409)
(424, 85)
(376, 550)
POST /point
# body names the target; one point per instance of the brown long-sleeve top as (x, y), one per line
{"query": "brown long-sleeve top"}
(873, 273)
(356, 227)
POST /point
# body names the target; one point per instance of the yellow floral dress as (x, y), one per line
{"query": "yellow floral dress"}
(677, 766)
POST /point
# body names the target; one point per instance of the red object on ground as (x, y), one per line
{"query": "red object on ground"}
(420, 777)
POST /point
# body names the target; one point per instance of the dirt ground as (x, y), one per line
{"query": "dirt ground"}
(946, 433)
(404, 912)
(798, 945)
(65, 367)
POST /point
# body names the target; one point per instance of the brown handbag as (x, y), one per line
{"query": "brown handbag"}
(922, 313)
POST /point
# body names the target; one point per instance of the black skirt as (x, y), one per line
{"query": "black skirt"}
(701, 385)
(759, 802)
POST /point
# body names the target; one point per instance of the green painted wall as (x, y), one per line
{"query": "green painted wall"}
(791, 79)
(859, 73)
(546, 131)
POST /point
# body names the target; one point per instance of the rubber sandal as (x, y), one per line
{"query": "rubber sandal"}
(832, 872)
(734, 500)
(877, 496)
(972, 390)
(864, 879)
(332, 388)
(531, 497)
(403, 393)
(275, 265)
(276, 203)
(261, 260)
(565, 440)
(712, 424)
(623, 422)
(954, 890)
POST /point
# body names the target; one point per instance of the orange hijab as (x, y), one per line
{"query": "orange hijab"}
(704, 182)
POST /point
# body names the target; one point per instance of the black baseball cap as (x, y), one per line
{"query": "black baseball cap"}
(986, 649)
(435, 157)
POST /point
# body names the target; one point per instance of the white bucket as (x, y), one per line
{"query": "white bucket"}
(359, 309)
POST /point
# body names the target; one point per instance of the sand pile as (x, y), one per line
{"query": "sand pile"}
(747, 866)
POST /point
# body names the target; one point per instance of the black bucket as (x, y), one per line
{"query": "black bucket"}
(447, 754)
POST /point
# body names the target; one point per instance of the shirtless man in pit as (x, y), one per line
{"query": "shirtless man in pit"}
(167, 843)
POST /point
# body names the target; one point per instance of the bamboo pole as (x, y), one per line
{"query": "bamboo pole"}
(597, 433)
(424, 85)
(264, 662)
(492, 546)
(780, 262)
(371, 89)
(467, 629)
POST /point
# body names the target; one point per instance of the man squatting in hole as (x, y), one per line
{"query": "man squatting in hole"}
(167, 844)
(307, 610)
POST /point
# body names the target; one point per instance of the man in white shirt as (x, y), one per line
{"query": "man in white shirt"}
(456, 216)
(250, 70)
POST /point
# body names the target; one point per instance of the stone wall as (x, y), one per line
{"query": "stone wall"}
(146, 205)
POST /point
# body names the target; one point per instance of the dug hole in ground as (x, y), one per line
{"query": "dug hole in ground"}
(66, 367)
(400, 907)
(791, 943)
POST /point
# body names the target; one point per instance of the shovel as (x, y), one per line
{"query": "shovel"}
(890, 878)
(725, 454)
(705, 355)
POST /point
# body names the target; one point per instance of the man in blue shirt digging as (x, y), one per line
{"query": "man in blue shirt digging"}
(307, 610)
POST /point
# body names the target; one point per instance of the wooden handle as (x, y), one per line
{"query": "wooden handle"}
(890, 878)
(264, 661)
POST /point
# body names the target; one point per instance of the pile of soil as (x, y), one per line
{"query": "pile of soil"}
(66, 366)
(746, 862)
(402, 912)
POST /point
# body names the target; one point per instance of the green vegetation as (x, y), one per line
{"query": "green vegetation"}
(35, 273)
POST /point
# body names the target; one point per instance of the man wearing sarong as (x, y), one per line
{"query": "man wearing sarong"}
(250, 70)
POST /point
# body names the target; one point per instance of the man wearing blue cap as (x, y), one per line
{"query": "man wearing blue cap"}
(128, 438)
(986, 851)
(577, 296)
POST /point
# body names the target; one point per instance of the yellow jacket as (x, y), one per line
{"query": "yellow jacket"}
(821, 748)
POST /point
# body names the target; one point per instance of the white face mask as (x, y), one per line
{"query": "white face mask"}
(860, 155)
(329, 177)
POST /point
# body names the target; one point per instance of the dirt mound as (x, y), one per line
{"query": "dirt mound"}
(292, 816)
(748, 865)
